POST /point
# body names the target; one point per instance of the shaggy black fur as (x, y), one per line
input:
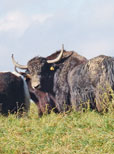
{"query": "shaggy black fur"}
(12, 94)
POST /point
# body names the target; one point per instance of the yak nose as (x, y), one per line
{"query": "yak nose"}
(37, 87)
(35, 84)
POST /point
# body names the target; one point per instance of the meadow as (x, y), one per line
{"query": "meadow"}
(86, 132)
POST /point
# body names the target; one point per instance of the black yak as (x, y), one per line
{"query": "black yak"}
(14, 93)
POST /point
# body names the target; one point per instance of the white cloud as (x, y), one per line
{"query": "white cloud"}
(41, 18)
(14, 22)
(30, 28)
(17, 22)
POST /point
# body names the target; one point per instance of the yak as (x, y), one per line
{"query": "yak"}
(72, 80)
(44, 101)
(14, 94)
(43, 95)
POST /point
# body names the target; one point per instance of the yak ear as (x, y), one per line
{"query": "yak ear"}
(52, 68)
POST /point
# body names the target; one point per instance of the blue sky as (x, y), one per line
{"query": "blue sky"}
(39, 27)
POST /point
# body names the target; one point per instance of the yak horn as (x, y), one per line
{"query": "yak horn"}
(18, 65)
(58, 58)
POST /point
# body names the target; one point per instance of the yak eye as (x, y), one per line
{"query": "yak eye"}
(52, 68)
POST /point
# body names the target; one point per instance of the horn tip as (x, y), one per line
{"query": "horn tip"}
(12, 55)
(63, 46)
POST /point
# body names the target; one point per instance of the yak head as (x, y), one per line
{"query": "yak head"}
(40, 70)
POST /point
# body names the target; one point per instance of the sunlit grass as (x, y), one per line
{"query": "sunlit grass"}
(69, 133)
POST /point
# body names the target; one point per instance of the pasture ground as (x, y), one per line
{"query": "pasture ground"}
(66, 133)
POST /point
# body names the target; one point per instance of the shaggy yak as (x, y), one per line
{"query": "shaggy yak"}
(14, 93)
(71, 79)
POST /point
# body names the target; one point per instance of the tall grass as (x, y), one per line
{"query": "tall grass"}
(66, 133)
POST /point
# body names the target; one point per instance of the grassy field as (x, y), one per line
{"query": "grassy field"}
(70, 133)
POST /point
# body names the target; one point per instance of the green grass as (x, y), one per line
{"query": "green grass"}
(70, 133)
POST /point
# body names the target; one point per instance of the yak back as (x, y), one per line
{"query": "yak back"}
(91, 82)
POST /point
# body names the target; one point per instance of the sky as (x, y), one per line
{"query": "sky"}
(30, 28)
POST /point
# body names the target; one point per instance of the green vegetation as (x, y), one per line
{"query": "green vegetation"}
(67, 133)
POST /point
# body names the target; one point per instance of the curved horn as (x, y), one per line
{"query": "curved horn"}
(22, 73)
(58, 58)
(18, 65)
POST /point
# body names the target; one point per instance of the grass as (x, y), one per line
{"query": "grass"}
(67, 133)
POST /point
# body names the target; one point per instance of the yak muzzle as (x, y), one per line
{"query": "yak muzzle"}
(35, 81)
